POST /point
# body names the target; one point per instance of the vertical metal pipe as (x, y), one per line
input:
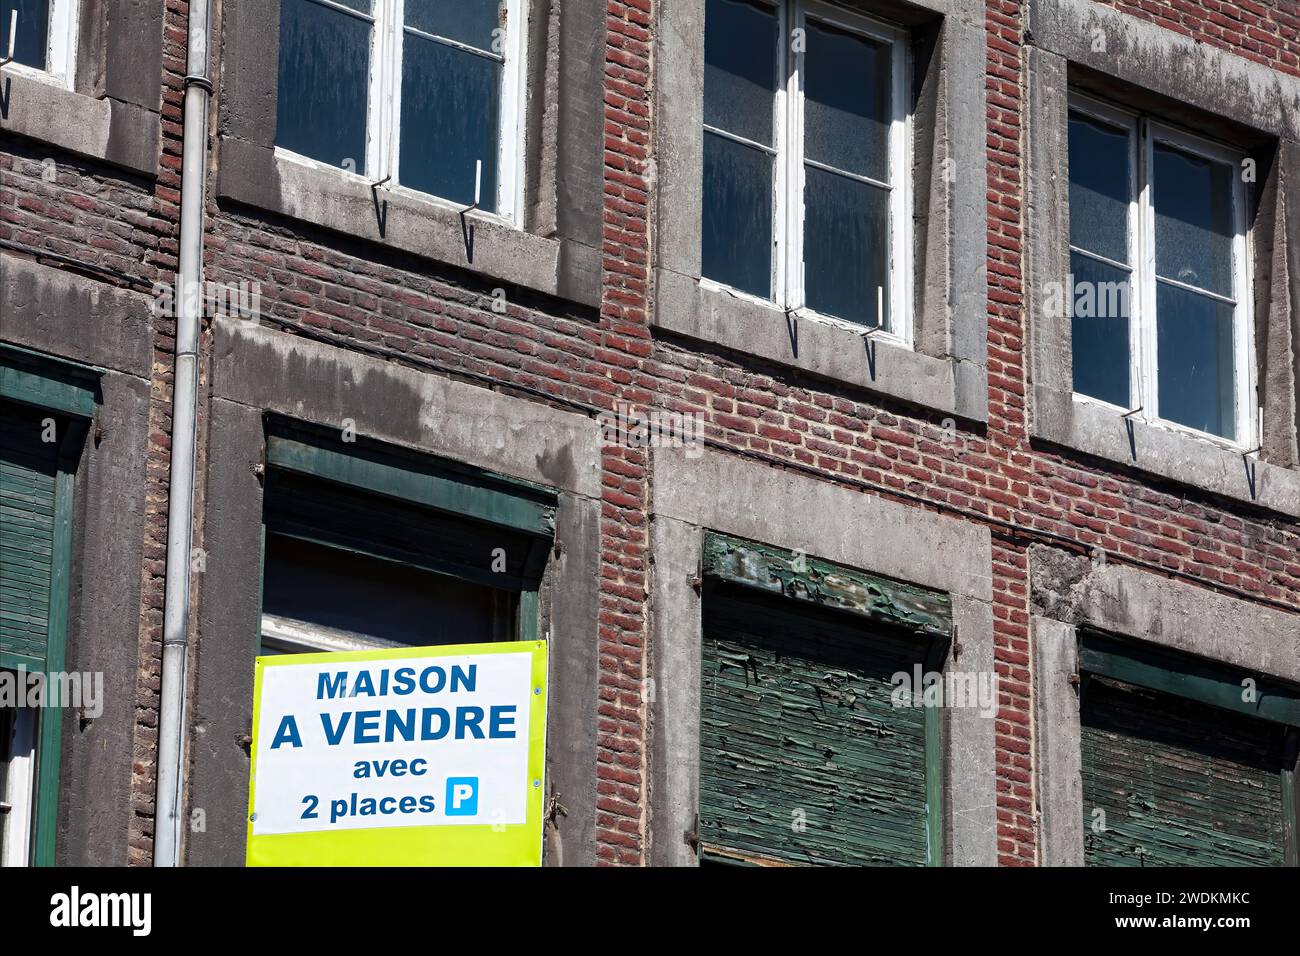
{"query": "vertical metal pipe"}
(180, 508)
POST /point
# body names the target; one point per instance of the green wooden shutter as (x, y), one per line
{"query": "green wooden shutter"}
(36, 489)
(28, 479)
(803, 757)
(1180, 783)
(342, 517)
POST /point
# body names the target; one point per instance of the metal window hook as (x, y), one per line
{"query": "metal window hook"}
(13, 36)
(467, 227)
(880, 314)
(478, 187)
(1259, 437)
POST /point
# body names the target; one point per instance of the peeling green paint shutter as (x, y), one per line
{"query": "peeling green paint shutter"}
(28, 469)
(804, 758)
(1179, 782)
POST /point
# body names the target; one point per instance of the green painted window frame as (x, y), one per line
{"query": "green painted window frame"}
(421, 480)
(1212, 684)
(69, 390)
(920, 612)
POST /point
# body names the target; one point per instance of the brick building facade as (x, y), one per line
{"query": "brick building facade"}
(928, 472)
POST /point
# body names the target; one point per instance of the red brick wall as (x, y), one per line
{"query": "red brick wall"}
(331, 288)
(1266, 31)
(166, 204)
(625, 344)
(1008, 430)
(341, 290)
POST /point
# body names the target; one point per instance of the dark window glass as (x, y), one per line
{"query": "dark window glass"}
(324, 83)
(1195, 344)
(1102, 300)
(737, 215)
(846, 246)
(465, 21)
(847, 97)
(1193, 214)
(1100, 188)
(450, 110)
(740, 81)
(740, 68)
(368, 597)
(1101, 296)
(32, 40)
(1194, 332)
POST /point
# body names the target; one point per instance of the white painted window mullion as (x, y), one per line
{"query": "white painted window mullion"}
(512, 134)
(1148, 370)
(379, 159)
(20, 790)
(62, 52)
(899, 319)
(1249, 432)
(790, 197)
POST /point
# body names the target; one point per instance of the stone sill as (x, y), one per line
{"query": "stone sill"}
(698, 311)
(406, 221)
(106, 130)
(1201, 463)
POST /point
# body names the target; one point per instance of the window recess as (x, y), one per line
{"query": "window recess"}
(804, 758)
(1159, 296)
(368, 548)
(1185, 761)
(806, 178)
(45, 411)
(414, 94)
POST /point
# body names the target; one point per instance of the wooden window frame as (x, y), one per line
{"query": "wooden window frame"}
(798, 577)
(68, 390)
(787, 257)
(1143, 133)
(17, 814)
(1212, 684)
(384, 105)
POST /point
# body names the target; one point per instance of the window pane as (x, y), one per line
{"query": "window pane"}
(737, 219)
(1197, 382)
(324, 81)
(1193, 211)
(740, 68)
(847, 101)
(33, 24)
(1100, 188)
(8, 717)
(450, 109)
(345, 591)
(466, 21)
(1100, 330)
(846, 246)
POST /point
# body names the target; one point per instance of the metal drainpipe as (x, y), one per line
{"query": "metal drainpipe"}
(180, 507)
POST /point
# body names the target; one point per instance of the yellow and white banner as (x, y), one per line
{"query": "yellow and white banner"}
(428, 756)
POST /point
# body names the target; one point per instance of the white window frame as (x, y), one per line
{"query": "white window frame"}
(60, 48)
(1144, 379)
(18, 799)
(384, 118)
(788, 267)
(284, 635)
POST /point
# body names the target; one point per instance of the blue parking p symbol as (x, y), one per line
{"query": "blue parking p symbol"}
(462, 796)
